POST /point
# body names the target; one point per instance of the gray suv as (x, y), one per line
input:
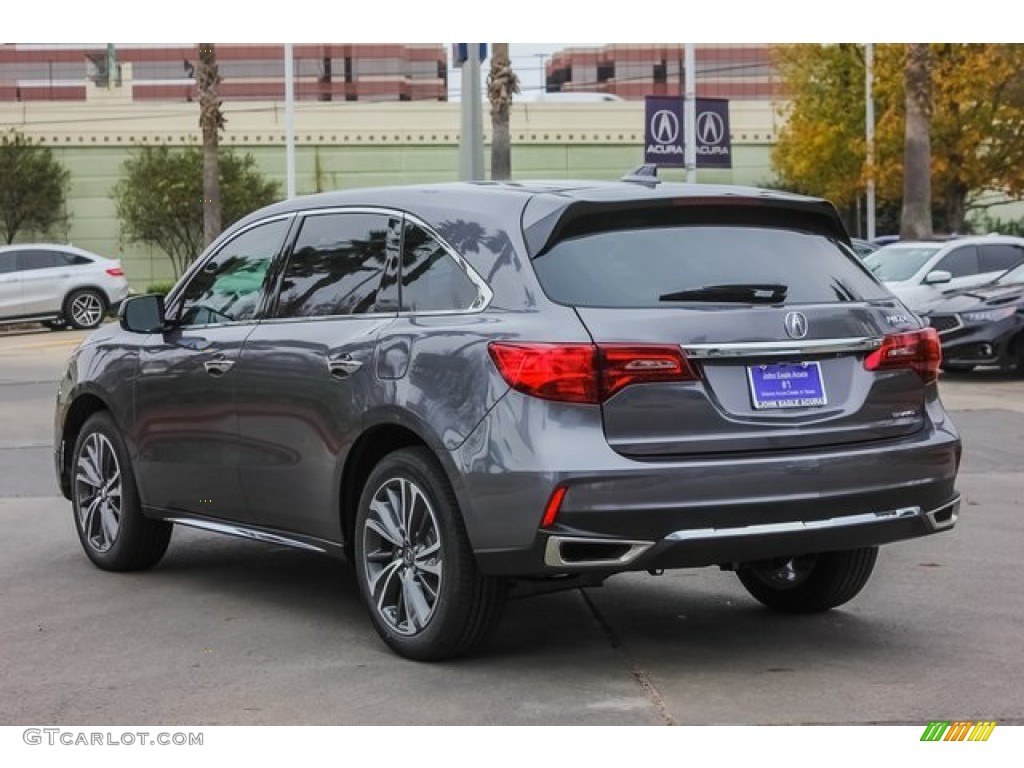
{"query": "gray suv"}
(477, 390)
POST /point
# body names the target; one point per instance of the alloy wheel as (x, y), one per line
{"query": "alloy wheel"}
(403, 556)
(86, 310)
(98, 492)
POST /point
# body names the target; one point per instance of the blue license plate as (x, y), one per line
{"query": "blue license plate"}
(786, 385)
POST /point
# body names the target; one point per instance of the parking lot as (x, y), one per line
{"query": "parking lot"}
(225, 631)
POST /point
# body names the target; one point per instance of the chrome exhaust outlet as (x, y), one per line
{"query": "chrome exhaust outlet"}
(579, 552)
(945, 516)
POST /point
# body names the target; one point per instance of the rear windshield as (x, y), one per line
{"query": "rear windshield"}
(673, 265)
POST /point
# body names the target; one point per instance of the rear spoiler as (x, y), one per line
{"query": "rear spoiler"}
(572, 218)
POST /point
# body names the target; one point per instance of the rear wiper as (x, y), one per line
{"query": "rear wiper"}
(767, 293)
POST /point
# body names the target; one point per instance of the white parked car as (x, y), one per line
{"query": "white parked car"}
(920, 272)
(59, 285)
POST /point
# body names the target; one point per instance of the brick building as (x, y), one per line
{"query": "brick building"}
(323, 72)
(632, 71)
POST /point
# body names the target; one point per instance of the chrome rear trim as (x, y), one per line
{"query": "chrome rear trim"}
(553, 552)
(233, 529)
(832, 523)
(781, 348)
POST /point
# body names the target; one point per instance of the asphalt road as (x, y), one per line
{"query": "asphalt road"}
(226, 631)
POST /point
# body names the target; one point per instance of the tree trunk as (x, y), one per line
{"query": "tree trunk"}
(916, 220)
(956, 208)
(502, 84)
(211, 121)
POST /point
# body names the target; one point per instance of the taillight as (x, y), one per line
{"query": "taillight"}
(549, 371)
(115, 272)
(625, 364)
(918, 350)
(586, 373)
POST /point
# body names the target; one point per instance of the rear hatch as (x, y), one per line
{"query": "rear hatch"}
(780, 326)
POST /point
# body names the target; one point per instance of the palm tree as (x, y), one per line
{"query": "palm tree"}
(502, 84)
(211, 121)
(916, 219)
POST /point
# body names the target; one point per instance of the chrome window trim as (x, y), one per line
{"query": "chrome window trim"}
(484, 293)
(780, 348)
(327, 318)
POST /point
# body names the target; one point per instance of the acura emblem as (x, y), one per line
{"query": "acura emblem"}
(664, 127)
(796, 325)
(710, 128)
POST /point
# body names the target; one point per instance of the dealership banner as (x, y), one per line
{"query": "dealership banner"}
(664, 139)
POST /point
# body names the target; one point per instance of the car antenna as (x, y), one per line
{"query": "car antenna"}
(645, 174)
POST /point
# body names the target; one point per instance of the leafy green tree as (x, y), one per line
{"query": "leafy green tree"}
(976, 132)
(33, 187)
(160, 198)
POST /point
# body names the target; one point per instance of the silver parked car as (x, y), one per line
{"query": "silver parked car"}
(473, 390)
(59, 285)
(920, 272)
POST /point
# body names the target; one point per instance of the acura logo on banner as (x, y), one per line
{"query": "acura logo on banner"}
(663, 133)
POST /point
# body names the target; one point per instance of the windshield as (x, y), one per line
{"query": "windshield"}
(1013, 276)
(899, 262)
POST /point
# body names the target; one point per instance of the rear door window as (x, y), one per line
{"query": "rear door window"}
(336, 265)
(8, 262)
(30, 260)
(664, 266)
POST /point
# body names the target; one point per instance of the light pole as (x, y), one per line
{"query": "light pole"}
(289, 119)
(543, 71)
(471, 142)
(690, 115)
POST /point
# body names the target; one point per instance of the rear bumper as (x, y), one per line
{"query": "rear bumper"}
(622, 514)
(560, 552)
(116, 296)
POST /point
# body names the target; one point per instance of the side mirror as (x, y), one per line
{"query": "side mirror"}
(143, 314)
(937, 276)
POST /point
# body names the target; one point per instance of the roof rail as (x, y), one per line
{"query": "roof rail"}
(645, 174)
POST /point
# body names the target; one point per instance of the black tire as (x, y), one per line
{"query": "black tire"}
(466, 605)
(955, 368)
(130, 541)
(56, 325)
(809, 583)
(84, 309)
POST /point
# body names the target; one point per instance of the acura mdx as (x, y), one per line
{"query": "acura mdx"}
(474, 390)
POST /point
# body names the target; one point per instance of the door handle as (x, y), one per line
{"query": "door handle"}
(343, 366)
(218, 366)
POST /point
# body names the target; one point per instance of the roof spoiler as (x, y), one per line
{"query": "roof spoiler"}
(645, 174)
